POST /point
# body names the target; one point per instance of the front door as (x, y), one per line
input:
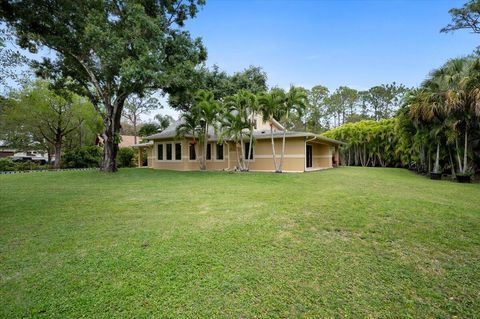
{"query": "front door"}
(309, 156)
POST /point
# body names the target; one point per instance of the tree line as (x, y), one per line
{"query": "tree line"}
(436, 130)
(437, 127)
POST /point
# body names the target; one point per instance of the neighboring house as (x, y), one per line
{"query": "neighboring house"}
(126, 140)
(303, 151)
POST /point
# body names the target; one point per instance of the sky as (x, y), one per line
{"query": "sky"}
(355, 43)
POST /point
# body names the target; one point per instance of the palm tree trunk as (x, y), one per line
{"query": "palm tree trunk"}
(452, 167)
(436, 168)
(460, 168)
(242, 145)
(238, 155)
(250, 148)
(205, 146)
(465, 153)
(283, 150)
(273, 148)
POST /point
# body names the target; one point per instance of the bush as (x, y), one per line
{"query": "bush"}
(6, 164)
(126, 157)
(83, 157)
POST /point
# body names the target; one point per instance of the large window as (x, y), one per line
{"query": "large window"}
(169, 152)
(209, 151)
(191, 151)
(247, 147)
(178, 151)
(219, 151)
(160, 152)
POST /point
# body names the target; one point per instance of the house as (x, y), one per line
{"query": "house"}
(125, 140)
(303, 151)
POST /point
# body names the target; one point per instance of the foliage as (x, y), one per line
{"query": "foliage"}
(370, 143)
(10, 60)
(164, 121)
(6, 164)
(126, 157)
(112, 49)
(135, 106)
(39, 115)
(467, 17)
(83, 157)
(218, 82)
(149, 128)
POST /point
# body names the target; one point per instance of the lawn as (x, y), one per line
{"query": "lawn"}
(347, 242)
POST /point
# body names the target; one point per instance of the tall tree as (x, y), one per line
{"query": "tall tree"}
(270, 107)
(316, 113)
(342, 103)
(466, 17)
(208, 109)
(113, 49)
(163, 121)
(51, 115)
(295, 101)
(135, 107)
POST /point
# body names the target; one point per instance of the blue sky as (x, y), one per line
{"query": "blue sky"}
(354, 43)
(308, 42)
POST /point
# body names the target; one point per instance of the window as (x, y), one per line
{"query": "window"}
(160, 152)
(191, 150)
(209, 151)
(169, 152)
(219, 151)
(178, 151)
(247, 147)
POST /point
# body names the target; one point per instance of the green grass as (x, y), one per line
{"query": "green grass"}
(348, 242)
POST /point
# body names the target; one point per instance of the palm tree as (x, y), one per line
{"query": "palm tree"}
(190, 125)
(458, 83)
(270, 105)
(238, 108)
(295, 101)
(232, 126)
(208, 109)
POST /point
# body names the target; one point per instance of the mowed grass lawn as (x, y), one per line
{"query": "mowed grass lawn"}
(347, 242)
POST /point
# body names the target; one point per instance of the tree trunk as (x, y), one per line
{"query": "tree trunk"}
(250, 147)
(273, 148)
(460, 169)
(205, 146)
(58, 151)
(465, 153)
(110, 136)
(280, 168)
(452, 167)
(242, 146)
(436, 168)
(135, 131)
(238, 156)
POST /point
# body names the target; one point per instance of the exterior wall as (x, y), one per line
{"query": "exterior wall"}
(322, 156)
(294, 160)
(185, 164)
(264, 126)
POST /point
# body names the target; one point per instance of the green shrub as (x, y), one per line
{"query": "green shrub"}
(126, 157)
(6, 164)
(26, 166)
(83, 157)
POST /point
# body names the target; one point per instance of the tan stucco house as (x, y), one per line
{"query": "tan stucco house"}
(303, 151)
